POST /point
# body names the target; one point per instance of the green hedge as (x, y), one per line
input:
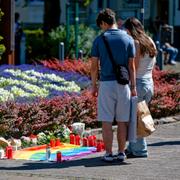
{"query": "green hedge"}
(2, 47)
(41, 47)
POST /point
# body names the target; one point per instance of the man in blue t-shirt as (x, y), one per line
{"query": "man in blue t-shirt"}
(113, 98)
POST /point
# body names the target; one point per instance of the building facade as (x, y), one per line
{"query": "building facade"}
(167, 10)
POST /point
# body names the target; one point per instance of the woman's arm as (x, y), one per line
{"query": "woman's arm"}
(138, 54)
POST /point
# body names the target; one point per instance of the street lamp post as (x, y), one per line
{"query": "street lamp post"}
(67, 26)
(142, 11)
(76, 27)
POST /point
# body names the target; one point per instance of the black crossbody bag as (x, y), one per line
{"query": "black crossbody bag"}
(121, 72)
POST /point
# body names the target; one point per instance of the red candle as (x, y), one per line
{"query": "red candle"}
(95, 142)
(99, 147)
(59, 156)
(58, 142)
(78, 139)
(91, 141)
(85, 141)
(72, 139)
(52, 142)
(9, 153)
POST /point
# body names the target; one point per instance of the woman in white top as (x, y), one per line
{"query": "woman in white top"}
(145, 60)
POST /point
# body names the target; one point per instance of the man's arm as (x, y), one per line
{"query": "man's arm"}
(132, 72)
(94, 75)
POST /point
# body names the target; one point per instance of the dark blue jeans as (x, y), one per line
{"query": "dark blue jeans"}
(172, 53)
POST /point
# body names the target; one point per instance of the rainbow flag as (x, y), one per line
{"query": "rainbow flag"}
(68, 151)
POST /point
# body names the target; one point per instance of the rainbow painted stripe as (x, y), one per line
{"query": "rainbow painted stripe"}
(38, 153)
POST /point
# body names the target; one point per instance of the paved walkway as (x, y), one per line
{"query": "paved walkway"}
(163, 163)
(175, 68)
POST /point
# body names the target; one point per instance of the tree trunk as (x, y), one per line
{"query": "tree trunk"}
(52, 13)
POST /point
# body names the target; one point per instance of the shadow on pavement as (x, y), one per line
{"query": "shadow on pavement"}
(87, 162)
(165, 143)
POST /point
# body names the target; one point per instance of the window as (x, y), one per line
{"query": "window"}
(133, 1)
(108, 3)
(179, 4)
(100, 4)
(36, 0)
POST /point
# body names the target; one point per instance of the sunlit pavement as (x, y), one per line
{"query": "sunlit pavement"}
(163, 163)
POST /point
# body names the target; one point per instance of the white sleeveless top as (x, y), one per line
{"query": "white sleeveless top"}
(145, 67)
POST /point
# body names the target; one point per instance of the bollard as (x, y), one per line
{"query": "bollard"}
(61, 51)
(80, 54)
(157, 45)
(160, 59)
(23, 49)
(160, 62)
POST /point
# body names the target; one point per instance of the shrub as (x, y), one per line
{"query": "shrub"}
(36, 46)
(86, 36)
(68, 65)
(166, 97)
(24, 119)
(40, 47)
(2, 47)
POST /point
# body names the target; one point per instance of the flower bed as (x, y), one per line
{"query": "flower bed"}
(27, 82)
(166, 99)
(53, 109)
(19, 119)
(82, 67)
(166, 91)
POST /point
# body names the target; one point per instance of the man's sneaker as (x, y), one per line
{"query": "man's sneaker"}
(131, 155)
(172, 62)
(108, 157)
(127, 152)
(121, 157)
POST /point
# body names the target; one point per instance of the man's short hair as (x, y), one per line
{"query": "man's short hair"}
(106, 15)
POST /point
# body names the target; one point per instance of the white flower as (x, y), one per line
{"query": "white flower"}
(26, 139)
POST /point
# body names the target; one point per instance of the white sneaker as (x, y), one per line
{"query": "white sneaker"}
(108, 157)
(172, 62)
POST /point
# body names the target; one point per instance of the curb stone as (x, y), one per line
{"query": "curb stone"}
(164, 120)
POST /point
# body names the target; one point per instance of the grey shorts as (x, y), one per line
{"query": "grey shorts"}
(113, 102)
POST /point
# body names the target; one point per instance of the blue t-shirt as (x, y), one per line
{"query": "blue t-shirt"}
(122, 47)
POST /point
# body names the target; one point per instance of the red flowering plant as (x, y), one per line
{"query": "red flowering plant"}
(18, 119)
(82, 67)
(166, 97)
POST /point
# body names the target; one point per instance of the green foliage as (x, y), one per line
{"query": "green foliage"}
(2, 47)
(86, 36)
(40, 47)
(86, 2)
(37, 45)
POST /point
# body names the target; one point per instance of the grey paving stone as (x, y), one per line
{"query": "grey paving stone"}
(163, 163)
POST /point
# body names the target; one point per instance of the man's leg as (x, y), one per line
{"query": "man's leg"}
(107, 136)
(172, 55)
(175, 53)
(121, 136)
